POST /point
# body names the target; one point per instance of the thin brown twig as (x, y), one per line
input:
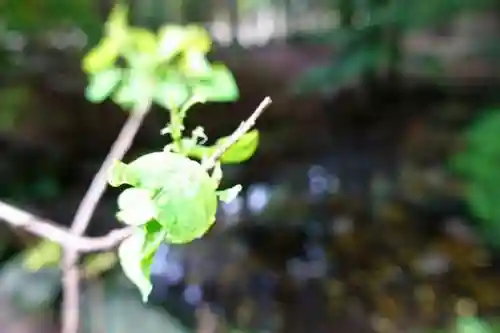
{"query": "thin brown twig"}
(72, 240)
(49, 230)
(71, 274)
(244, 127)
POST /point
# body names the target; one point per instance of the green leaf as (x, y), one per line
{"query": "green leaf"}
(199, 151)
(135, 87)
(45, 254)
(101, 57)
(117, 174)
(136, 255)
(155, 234)
(193, 99)
(117, 25)
(136, 206)
(187, 202)
(239, 152)
(242, 150)
(135, 266)
(174, 39)
(102, 84)
(185, 197)
(197, 39)
(124, 97)
(187, 211)
(143, 40)
(141, 85)
(146, 172)
(171, 94)
(194, 64)
(219, 87)
(229, 194)
(95, 265)
(171, 39)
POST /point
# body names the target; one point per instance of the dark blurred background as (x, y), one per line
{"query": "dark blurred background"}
(371, 205)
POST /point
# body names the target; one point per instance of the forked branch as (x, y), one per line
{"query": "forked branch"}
(72, 240)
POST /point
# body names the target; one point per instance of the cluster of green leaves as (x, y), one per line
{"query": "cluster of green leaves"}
(478, 164)
(133, 65)
(172, 196)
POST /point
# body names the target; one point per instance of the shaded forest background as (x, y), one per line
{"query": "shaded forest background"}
(371, 204)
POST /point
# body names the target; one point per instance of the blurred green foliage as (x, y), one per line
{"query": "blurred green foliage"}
(479, 165)
(31, 17)
(13, 100)
(368, 41)
(169, 68)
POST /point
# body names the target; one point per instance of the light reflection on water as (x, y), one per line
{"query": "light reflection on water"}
(314, 181)
(168, 265)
